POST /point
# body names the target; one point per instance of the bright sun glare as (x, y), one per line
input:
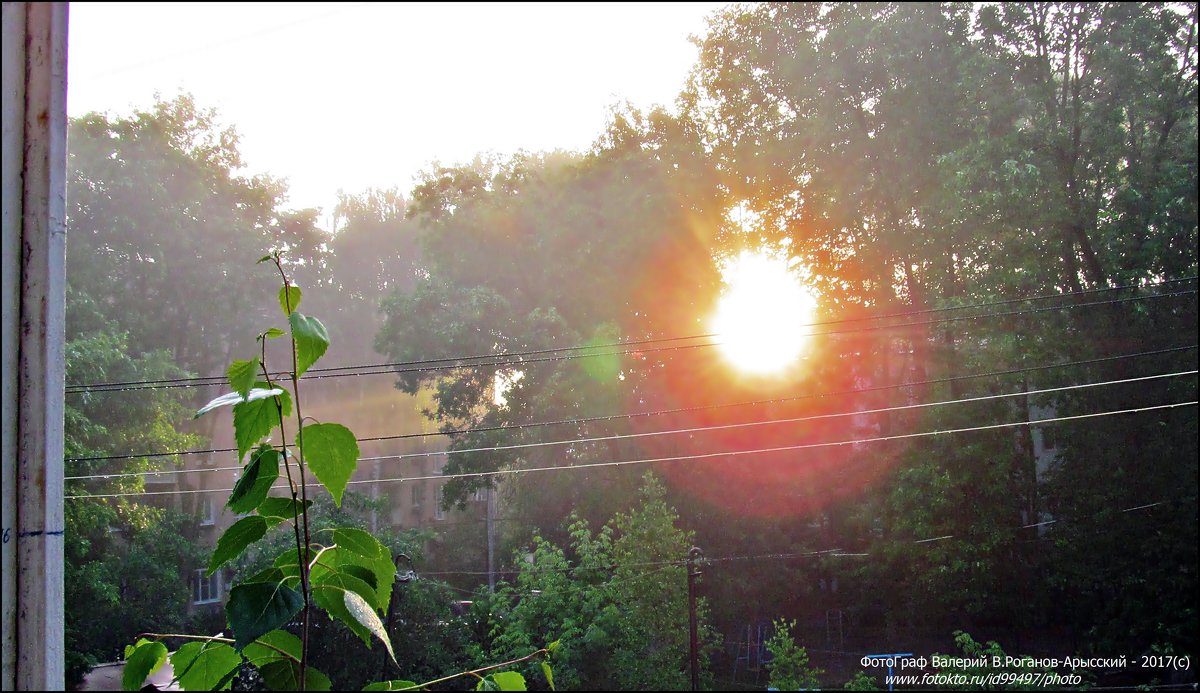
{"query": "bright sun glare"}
(762, 317)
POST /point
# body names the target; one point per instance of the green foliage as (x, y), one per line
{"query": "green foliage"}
(351, 578)
(917, 156)
(311, 340)
(141, 660)
(205, 666)
(289, 300)
(790, 670)
(125, 565)
(256, 480)
(861, 681)
(332, 576)
(257, 414)
(911, 157)
(331, 451)
(257, 608)
(162, 219)
(615, 600)
(242, 375)
(123, 576)
(544, 251)
(977, 652)
(234, 541)
(502, 681)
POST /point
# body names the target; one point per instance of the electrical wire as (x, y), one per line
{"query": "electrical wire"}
(509, 359)
(680, 410)
(677, 458)
(694, 429)
(707, 561)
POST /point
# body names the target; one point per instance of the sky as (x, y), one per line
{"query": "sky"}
(354, 95)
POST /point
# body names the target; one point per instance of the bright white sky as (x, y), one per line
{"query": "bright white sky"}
(350, 96)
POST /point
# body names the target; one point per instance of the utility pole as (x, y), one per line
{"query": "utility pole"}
(401, 578)
(491, 539)
(693, 630)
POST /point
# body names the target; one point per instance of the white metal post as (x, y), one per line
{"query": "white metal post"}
(34, 227)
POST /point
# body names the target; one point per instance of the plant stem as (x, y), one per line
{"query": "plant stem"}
(304, 554)
(211, 638)
(476, 672)
(302, 513)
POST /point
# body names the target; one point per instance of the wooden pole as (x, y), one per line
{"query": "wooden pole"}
(693, 628)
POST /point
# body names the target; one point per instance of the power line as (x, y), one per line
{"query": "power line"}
(677, 458)
(212, 46)
(832, 552)
(694, 429)
(507, 358)
(679, 410)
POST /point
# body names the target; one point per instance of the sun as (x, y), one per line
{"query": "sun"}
(763, 315)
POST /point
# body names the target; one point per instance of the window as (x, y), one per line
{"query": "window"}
(418, 495)
(207, 516)
(206, 590)
(438, 513)
(481, 493)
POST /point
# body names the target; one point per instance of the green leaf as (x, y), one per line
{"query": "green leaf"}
(361, 610)
(331, 452)
(236, 539)
(288, 563)
(311, 340)
(277, 655)
(271, 574)
(548, 674)
(378, 572)
(204, 666)
(235, 398)
(289, 299)
(284, 675)
(254, 418)
(329, 593)
(274, 333)
(282, 508)
(256, 481)
(145, 660)
(226, 681)
(358, 545)
(486, 684)
(366, 575)
(264, 258)
(276, 645)
(259, 608)
(509, 681)
(358, 542)
(241, 375)
(394, 685)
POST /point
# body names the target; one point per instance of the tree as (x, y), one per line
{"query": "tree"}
(374, 252)
(126, 571)
(614, 599)
(921, 157)
(125, 565)
(625, 228)
(159, 224)
(790, 670)
(160, 220)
